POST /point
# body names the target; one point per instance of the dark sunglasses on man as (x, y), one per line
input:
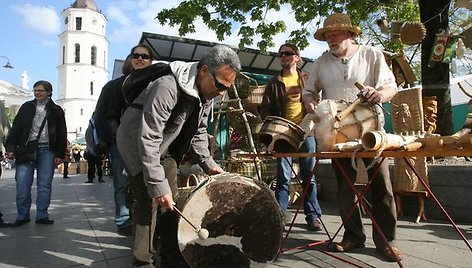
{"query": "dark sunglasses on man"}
(220, 86)
(143, 56)
(286, 53)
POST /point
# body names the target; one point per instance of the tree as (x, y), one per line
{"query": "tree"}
(251, 19)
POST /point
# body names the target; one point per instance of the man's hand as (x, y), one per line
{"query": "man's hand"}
(165, 201)
(372, 95)
(10, 155)
(215, 170)
(310, 107)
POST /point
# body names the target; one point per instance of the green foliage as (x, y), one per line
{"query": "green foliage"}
(251, 19)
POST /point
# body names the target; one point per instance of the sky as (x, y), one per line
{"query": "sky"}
(29, 31)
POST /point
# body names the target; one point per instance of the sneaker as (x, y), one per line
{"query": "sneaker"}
(394, 256)
(89, 181)
(45, 221)
(126, 230)
(346, 245)
(314, 225)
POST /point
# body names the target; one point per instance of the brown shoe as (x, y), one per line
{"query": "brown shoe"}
(394, 256)
(347, 245)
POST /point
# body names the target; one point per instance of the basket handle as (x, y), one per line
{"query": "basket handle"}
(249, 78)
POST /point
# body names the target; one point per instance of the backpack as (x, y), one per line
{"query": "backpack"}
(139, 79)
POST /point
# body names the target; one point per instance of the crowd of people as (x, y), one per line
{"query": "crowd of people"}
(147, 139)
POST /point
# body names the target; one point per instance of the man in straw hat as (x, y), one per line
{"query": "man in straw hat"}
(333, 77)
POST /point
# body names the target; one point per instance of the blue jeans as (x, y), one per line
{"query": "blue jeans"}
(44, 164)
(120, 183)
(311, 207)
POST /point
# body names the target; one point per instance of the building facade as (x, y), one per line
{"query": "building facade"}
(83, 66)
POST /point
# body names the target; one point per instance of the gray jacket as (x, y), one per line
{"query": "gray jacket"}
(173, 120)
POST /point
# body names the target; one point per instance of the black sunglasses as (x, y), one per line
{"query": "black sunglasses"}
(220, 86)
(286, 53)
(143, 56)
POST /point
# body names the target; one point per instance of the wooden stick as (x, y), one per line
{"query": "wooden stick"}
(340, 116)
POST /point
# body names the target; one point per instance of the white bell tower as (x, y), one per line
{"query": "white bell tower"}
(83, 66)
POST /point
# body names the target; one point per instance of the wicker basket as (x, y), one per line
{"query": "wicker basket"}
(407, 111)
(255, 95)
(242, 86)
(236, 121)
(244, 167)
(412, 33)
(407, 116)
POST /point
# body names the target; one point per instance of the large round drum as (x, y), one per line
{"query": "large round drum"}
(242, 217)
(281, 135)
(328, 131)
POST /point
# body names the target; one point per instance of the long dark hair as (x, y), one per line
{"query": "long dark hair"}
(149, 50)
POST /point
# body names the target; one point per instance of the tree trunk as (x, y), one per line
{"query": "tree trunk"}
(435, 79)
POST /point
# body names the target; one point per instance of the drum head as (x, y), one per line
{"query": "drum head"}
(242, 217)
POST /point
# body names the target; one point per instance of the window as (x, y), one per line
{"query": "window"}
(93, 59)
(78, 24)
(91, 88)
(63, 54)
(81, 111)
(77, 53)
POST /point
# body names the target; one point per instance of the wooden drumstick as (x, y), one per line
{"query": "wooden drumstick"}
(202, 233)
(340, 116)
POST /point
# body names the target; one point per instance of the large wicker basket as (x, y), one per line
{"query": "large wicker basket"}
(407, 111)
(407, 117)
(246, 167)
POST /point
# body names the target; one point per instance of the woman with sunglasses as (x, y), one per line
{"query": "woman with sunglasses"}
(110, 106)
(282, 98)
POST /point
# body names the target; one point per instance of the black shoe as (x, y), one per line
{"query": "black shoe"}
(20, 222)
(100, 180)
(126, 231)
(4, 224)
(45, 221)
(89, 181)
(66, 177)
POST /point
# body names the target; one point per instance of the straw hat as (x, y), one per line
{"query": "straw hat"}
(337, 22)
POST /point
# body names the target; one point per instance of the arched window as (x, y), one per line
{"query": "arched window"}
(93, 60)
(77, 52)
(81, 111)
(91, 88)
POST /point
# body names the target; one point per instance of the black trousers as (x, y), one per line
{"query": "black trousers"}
(94, 166)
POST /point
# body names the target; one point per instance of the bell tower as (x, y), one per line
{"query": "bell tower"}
(83, 66)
